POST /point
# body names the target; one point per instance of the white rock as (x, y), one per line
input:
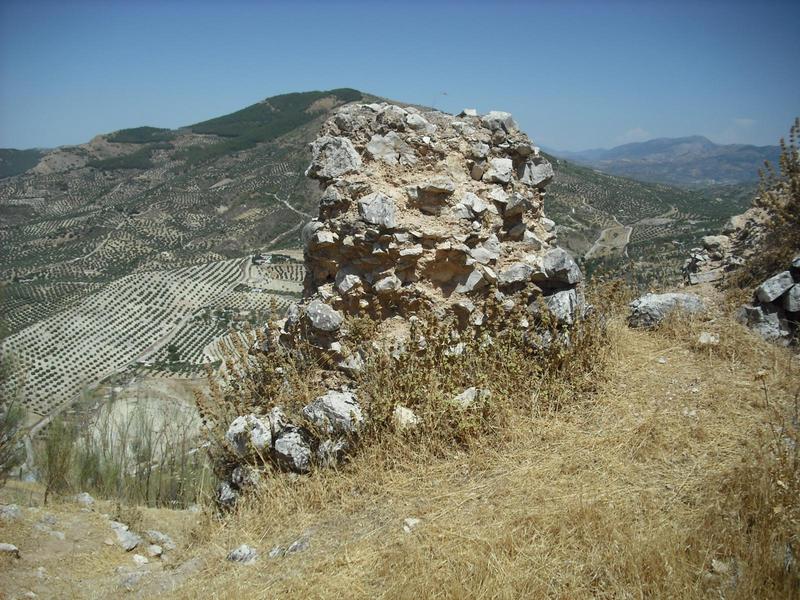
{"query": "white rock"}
(470, 395)
(9, 550)
(249, 432)
(404, 418)
(410, 524)
(10, 512)
(140, 560)
(707, 339)
(84, 499)
(377, 209)
(154, 550)
(335, 412)
(651, 309)
(243, 554)
(499, 170)
(497, 119)
(774, 287)
(332, 157)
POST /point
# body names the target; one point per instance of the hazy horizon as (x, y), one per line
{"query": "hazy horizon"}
(575, 75)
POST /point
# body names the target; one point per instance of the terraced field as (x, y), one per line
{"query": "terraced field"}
(130, 257)
(623, 225)
(159, 320)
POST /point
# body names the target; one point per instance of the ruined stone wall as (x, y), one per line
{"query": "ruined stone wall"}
(421, 209)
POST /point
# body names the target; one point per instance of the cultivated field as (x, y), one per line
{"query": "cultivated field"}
(164, 322)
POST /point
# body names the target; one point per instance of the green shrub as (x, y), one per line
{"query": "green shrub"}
(141, 135)
(57, 450)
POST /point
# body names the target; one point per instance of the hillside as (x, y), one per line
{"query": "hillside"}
(96, 232)
(621, 223)
(146, 238)
(693, 161)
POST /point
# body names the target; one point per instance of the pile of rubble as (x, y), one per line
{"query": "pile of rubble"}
(421, 213)
(774, 312)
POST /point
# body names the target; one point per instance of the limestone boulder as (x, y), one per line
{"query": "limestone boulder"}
(651, 309)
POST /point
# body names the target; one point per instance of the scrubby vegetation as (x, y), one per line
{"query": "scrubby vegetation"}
(139, 159)
(630, 464)
(779, 196)
(262, 122)
(141, 135)
(14, 162)
(138, 455)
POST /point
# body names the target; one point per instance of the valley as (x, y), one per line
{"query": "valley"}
(127, 259)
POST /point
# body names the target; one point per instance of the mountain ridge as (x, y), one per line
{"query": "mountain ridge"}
(689, 161)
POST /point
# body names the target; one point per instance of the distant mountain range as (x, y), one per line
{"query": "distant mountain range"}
(693, 161)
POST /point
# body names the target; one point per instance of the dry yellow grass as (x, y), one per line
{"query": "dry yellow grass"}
(629, 492)
(663, 481)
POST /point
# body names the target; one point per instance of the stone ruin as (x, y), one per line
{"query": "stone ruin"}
(421, 212)
(424, 210)
(774, 309)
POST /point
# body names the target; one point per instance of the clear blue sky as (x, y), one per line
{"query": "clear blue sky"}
(575, 74)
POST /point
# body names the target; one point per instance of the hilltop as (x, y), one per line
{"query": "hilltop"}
(176, 236)
(693, 161)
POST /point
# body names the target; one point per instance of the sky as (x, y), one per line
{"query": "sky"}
(576, 75)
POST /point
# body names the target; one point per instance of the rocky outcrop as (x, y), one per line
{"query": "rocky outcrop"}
(651, 309)
(421, 212)
(774, 312)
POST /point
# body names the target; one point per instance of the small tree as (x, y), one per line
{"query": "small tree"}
(12, 450)
(779, 196)
(12, 417)
(56, 457)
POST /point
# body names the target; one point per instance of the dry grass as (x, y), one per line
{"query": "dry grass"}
(669, 481)
(660, 479)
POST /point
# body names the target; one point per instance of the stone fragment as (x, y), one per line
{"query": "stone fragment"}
(387, 285)
(499, 171)
(353, 364)
(473, 282)
(707, 339)
(331, 452)
(244, 554)
(516, 273)
(335, 413)
(377, 209)
(499, 120)
(248, 433)
(563, 305)
(226, 496)
(323, 317)
(651, 309)
(791, 301)
(139, 560)
(767, 321)
(9, 550)
(470, 396)
(347, 282)
(391, 149)
(537, 175)
(332, 157)
(125, 538)
(154, 551)
(10, 512)
(419, 123)
(84, 499)
(292, 450)
(410, 524)
(404, 418)
(774, 287)
(560, 266)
